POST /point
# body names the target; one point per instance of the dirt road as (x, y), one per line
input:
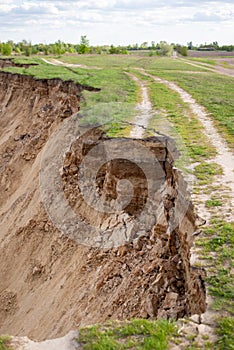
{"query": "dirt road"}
(144, 108)
(215, 69)
(55, 62)
(225, 182)
(224, 157)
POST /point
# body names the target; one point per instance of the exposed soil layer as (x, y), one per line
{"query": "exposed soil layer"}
(9, 62)
(49, 284)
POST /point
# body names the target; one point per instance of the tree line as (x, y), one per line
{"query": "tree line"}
(162, 48)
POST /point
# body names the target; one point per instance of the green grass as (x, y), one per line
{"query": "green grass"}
(216, 246)
(208, 61)
(226, 64)
(4, 343)
(130, 61)
(205, 172)
(184, 126)
(115, 85)
(118, 96)
(219, 239)
(160, 64)
(225, 330)
(103, 61)
(134, 334)
(113, 104)
(213, 202)
(213, 91)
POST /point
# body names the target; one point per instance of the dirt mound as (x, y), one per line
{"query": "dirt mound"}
(50, 284)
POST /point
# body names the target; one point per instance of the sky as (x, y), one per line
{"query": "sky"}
(118, 22)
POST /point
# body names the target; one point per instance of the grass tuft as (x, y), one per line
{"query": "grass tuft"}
(219, 241)
(225, 330)
(4, 343)
(205, 172)
(135, 334)
(210, 203)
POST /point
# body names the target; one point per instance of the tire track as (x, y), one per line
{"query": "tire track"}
(216, 69)
(55, 62)
(144, 109)
(225, 157)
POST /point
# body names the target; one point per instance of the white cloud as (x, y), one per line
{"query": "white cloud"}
(212, 17)
(116, 21)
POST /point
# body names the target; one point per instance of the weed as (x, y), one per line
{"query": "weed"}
(205, 172)
(4, 343)
(225, 330)
(219, 239)
(203, 60)
(137, 334)
(213, 203)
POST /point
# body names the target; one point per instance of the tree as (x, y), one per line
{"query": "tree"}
(17, 50)
(190, 45)
(182, 50)
(27, 50)
(25, 47)
(83, 47)
(118, 50)
(71, 49)
(58, 48)
(113, 50)
(165, 48)
(215, 45)
(6, 49)
(144, 45)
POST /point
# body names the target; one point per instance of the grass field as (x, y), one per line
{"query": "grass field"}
(214, 92)
(115, 103)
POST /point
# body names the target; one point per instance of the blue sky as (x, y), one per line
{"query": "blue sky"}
(118, 21)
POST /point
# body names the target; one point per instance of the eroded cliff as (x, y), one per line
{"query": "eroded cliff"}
(49, 283)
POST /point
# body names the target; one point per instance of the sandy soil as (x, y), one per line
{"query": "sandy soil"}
(48, 283)
(144, 109)
(67, 342)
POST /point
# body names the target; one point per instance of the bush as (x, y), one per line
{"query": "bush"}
(6, 49)
(165, 48)
(182, 50)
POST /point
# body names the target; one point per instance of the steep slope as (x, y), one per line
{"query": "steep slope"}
(49, 283)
